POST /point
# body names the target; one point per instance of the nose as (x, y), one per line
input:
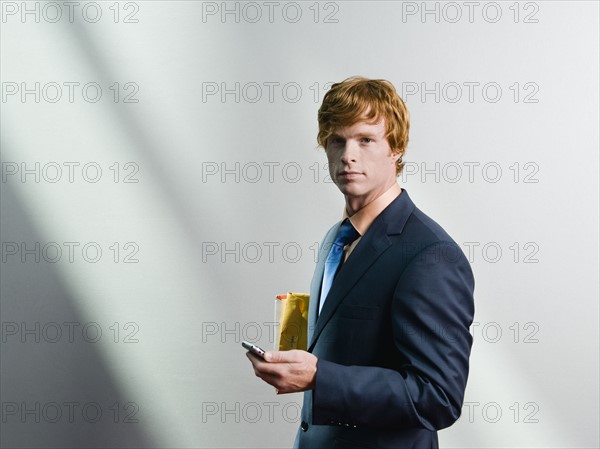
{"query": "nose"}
(349, 152)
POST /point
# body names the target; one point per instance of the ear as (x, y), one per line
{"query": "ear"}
(396, 156)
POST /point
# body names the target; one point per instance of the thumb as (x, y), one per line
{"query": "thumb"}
(281, 356)
(271, 356)
(277, 356)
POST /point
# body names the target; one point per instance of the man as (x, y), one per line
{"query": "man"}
(388, 332)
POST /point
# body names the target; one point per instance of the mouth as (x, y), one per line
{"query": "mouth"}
(349, 174)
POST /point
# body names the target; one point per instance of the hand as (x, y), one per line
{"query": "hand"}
(288, 371)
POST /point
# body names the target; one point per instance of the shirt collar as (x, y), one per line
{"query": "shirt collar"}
(364, 217)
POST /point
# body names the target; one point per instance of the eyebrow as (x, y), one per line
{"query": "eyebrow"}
(360, 134)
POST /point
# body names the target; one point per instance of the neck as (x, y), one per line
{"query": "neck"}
(354, 204)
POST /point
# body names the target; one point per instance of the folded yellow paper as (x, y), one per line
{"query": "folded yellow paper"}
(293, 321)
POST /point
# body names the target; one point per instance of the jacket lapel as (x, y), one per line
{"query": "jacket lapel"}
(371, 246)
(317, 280)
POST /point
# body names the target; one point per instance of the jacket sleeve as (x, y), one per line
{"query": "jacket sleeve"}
(432, 311)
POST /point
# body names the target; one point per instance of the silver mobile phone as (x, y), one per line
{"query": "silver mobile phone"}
(254, 349)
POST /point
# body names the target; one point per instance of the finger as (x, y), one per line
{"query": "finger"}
(274, 370)
(264, 369)
(257, 362)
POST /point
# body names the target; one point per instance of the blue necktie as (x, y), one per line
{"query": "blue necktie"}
(346, 234)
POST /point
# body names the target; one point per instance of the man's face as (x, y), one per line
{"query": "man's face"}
(361, 163)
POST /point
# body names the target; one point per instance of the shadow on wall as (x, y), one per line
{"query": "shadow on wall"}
(55, 388)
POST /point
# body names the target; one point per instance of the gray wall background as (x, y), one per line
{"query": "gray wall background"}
(161, 184)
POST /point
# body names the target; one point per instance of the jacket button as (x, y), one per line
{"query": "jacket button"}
(304, 426)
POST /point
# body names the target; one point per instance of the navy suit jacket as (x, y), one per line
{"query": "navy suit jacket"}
(392, 339)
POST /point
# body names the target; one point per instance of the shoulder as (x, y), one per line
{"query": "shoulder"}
(404, 218)
(422, 238)
(419, 223)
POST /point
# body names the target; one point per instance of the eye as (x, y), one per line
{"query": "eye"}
(366, 140)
